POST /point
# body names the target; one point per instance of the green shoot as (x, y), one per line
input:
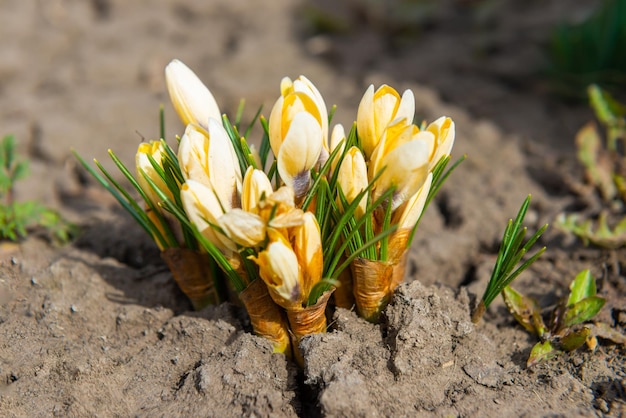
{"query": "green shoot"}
(565, 332)
(512, 250)
(18, 218)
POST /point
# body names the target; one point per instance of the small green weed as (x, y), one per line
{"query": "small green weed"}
(17, 218)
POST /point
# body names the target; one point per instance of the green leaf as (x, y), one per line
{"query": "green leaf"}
(320, 288)
(525, 310)
(540, 352)
(583, 286)
(582, 310)
(574, 339)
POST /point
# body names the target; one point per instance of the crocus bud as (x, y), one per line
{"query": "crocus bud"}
(336, 137)
(377, 110)
(256, 186)
(191, 99)
(307, 244)
(279, 269)
(352, 177)
(209, 158)
(155, 150)
(203, 209)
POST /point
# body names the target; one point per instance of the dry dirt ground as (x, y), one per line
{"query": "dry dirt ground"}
(99, 328)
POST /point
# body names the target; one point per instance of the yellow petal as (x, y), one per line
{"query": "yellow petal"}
(191, 99)
(337, 139)
(278, 267)
(308, 248)
(299, 152)
(244, 228)
(256, 186)
(202, 209)
(193, 152)
(352, 177)
(406, 170)
(377, 110)
(143, 164)
(444, 131)
(209, 158)
(414, 206)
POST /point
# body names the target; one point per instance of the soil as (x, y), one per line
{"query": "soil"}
(98, 327)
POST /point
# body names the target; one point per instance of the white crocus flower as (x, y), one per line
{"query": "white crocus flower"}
(191, 99)
(209, 158)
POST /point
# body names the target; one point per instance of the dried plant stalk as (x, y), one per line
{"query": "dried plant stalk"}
(307, 321)
(192, 274)
(266, 317)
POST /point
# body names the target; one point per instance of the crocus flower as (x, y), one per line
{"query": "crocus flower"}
(352, 177)
(209, 158)
(307, 245)
(143, 165)
(203, 210)
(279, 269)
(298, 131)
(377, 110)
(191, 99)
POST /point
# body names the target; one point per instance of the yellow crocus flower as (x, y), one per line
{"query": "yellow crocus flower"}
(377, 110)
(279, 269)
(352, 177)
(155, 150)
(203, 209)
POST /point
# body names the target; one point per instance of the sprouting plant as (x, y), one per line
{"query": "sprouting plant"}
(605, 170)
(564, 332)
(512, 250)
(17, 218)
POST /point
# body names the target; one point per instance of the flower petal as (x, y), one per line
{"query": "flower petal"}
(191, 99)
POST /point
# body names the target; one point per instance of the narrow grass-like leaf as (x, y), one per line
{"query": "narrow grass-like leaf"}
(319, 289)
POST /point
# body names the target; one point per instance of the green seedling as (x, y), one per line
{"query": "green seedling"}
(512, 251)
(565, 331)
(605, 170)
(18, 218)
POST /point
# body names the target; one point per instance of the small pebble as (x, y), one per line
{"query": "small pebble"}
(14, 261)
(33, 281)
(174, 360)
(73, 309)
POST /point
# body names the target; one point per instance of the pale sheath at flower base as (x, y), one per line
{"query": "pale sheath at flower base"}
(191, 99)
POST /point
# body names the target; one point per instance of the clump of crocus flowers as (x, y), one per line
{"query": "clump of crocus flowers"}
(324, 216)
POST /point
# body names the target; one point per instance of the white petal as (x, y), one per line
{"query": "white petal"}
(244, 228)
(192, 100)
